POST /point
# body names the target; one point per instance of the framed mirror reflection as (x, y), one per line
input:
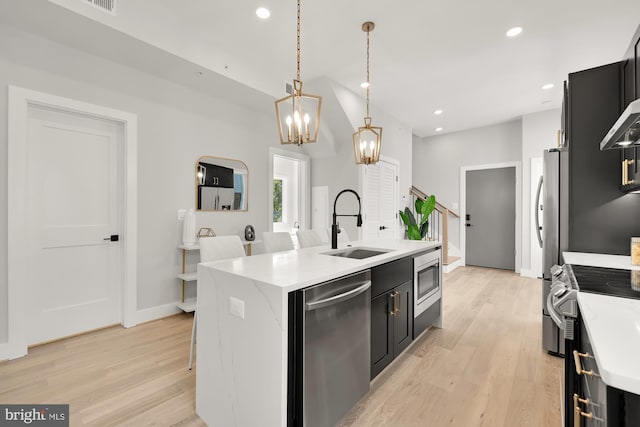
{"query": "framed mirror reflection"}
(221, 184)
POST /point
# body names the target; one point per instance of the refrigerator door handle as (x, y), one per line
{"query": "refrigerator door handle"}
(537, 212)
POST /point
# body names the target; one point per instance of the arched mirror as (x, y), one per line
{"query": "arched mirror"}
(221, 184)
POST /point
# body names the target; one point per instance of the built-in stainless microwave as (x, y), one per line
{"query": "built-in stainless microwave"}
(427, 280)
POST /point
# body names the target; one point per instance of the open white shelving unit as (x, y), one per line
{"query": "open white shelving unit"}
(187, 305)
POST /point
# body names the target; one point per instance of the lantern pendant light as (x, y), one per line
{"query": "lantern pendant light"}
(367, 140)
(299, 113)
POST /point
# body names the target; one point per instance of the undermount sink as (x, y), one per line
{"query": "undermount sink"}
(358, 253)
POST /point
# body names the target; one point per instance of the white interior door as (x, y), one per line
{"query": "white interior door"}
(74, 203)
(380, 200)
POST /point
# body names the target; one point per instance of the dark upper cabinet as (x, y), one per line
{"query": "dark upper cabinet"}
(564, 121)
(636, 54)
(217, 176)
(630, 157)
(628, 82)
(601, 217)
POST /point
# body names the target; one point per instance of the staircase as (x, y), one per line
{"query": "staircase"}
(438, 227)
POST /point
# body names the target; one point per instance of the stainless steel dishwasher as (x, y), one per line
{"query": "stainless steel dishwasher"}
(337, 347)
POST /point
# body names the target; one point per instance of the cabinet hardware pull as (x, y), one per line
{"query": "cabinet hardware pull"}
(392, 304)
(577, 412)
(399, 302)
(576, 359)
(625, 171)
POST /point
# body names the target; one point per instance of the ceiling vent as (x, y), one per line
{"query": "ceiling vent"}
(108, 6)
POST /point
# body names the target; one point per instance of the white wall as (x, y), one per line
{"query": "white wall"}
(518, 140)
(338, 171)
(437, 161)
(539, 132)
(176, 126)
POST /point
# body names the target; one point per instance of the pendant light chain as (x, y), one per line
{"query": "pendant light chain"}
(298, 41)
(368, 78)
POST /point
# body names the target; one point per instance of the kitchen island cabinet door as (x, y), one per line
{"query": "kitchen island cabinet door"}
(403, 318)
(381, 332)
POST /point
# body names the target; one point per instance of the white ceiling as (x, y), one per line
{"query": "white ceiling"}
(425, 55)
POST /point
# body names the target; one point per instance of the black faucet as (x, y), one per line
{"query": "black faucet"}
(335, 226)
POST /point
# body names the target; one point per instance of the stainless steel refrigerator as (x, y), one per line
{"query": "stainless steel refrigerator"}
(554, 234)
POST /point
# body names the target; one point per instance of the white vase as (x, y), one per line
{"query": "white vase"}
(189, 228)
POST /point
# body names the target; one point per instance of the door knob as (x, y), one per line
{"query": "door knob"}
(469, 225)
(112, 238)
(382, 227)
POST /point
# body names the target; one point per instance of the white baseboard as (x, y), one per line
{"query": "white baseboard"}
(4, 351)
(454, 250)
(8, 352)
(155, 313)
(450, 267)
(528, 273)
(145, 315)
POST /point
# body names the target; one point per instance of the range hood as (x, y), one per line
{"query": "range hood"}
(625, 131)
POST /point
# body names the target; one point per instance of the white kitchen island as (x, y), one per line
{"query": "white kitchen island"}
(241, 373)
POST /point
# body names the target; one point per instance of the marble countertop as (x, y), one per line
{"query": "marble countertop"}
(613, 325)
(296, 269)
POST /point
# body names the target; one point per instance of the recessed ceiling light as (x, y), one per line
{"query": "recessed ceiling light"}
(547, 86)
(437, 112)
(263, 13)
(624, 143)
(514, 31)
(438, 129)
(364, 85)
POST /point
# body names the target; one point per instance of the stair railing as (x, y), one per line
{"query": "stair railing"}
(438, 221)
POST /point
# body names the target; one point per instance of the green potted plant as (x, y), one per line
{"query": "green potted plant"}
(417, 230)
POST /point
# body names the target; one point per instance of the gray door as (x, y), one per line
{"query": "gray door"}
(491, 218)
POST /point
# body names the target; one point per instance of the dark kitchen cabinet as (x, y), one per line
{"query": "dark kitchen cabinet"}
(391, 312)
(628, 82)
(594, 402)
(601, 218)
(630, 157)
(564, 119)
(382, 328)
(391, 325)
(629, 171)
(403, 317)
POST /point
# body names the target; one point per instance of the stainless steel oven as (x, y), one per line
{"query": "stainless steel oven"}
(427, 280)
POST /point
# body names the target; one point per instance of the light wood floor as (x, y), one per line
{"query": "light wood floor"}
(484, 368)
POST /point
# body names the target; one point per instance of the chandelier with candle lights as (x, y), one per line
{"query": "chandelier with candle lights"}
(368, 138)
(299, 113)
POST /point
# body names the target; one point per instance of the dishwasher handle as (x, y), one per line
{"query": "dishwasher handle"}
(361, 287)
